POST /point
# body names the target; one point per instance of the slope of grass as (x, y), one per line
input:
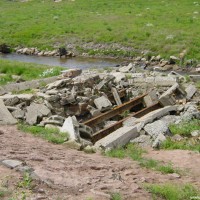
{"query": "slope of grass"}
(165, 27)
(27, 71)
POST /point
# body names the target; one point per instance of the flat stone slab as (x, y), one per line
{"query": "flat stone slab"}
(118, 138)
(6, 117)
(12, 163)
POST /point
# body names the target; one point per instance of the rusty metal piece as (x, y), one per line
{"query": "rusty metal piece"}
(106, 131)
(115, 111)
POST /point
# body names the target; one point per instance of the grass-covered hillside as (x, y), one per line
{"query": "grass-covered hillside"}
(166, 27)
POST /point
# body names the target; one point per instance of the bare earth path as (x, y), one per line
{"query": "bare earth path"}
(74, 175)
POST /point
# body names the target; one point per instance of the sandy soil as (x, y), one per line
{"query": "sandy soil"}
(73, 175)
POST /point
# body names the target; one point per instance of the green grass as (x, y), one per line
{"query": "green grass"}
(170, 191)
(164, 27)
(185, 128)
(51, 135)
(183, 144)
(27, 71)
(135, 152)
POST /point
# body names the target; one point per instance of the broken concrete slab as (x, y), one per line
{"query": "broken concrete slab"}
(102, 103)
(142, 140)
(5, 116)
(71, 126)
(159, 140)
(12, 163)
(195, 78)
(116, 96)
(119, 76)
(167, 98)
(190, 91)
(156, 128)
(26, 85)
(21, 97)
(118, 138)
(165, 81)
(36, 111)
(58, 83)
(18, 114)
(71, 73)
(156, 114)
(129, 68)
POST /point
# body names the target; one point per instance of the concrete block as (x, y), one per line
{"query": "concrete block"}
(11, 163)
(102, 103)
(165, 81)
(195, 77)
(190, 91)
(116, 96)
(118, 138)
(5, 115)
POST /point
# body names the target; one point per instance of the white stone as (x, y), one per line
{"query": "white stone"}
(71, 127)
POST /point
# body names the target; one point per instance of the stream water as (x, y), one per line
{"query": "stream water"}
(75, 62)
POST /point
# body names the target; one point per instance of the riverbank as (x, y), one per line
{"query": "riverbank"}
(106, 28)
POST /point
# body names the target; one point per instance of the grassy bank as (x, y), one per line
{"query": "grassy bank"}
(27, 71)
(165, 27)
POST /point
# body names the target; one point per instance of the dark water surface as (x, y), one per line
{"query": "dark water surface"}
(76, 62)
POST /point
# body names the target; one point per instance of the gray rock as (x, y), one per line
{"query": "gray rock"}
(71, 73)
(58, 84)
(11, 101)
(158, 141)
(195, 133)
(12, 163)
(142, 140)
(119, 76)
(5, 116)
(170, 119)
(156, 128)
(190, 111)
(177, 137)
(36, 111)
(102, 103)
(130, 121)
(18, 114)
(190, 90)
(129, 68)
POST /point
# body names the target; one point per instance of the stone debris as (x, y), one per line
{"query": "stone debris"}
(190, 90)
(102, 103)
(5, 116)
(76, 96)
(35, 112)
(12, 163)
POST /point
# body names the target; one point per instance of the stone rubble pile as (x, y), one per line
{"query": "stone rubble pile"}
(77, 96)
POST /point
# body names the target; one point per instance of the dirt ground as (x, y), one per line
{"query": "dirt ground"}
(74, 175)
